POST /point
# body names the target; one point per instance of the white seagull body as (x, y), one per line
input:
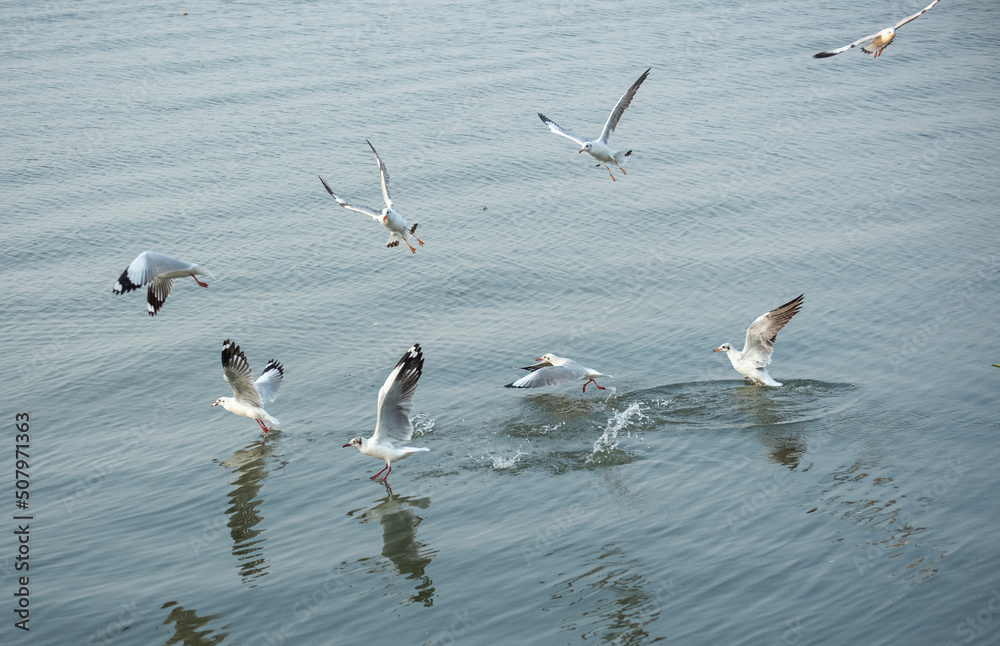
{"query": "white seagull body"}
(879, 41)
(388, 217)
(249, 396)
(158, 271)
(753, 360)
(599, 148)
(553, 370)
(393, 428)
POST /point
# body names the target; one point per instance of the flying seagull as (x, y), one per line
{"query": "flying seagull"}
(158, 271)
(551, 370)
(389, 218)
(249, 396)
(759, 345)
(393, 428)
(598, 148)
(879, 41)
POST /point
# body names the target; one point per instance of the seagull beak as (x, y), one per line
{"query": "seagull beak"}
(580, 151)
(539, 359)
(716, 349)
(345, 446)
(214, 404)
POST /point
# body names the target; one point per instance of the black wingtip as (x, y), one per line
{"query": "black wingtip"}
(823, 55)
(543, 117)
(327, 187)
(124, 285)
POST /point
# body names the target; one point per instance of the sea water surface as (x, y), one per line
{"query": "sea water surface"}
(854, 505)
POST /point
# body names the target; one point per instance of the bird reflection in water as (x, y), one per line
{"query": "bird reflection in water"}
(250, 466)
(189, 627)
(408, 556)
(773, 415)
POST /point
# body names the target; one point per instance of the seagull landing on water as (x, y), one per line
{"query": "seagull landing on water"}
(249, 396)
(553, 370)
(759, 344)
(393, 428)
(879, 41)
(159, 271)
(599, 148)
(388, 217)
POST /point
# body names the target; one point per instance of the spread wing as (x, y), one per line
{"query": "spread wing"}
(237, 372)
(762, 333)
(554, 127)
(146, 267)
(383, 175)
(157, 294)
(623, 103)
(834, 52)
(548, 375)
(269, 380)
(916, 15)
(367, 210)
(395, 398)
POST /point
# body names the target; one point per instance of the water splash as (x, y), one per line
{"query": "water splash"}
(608, 441)
(422, 424)
(500, 463)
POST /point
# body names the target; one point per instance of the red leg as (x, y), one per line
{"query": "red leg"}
(412, 250)
(198, 281)
(380, 472)
(610, 173)
(419, 241)
(266, 429)
(621, 169)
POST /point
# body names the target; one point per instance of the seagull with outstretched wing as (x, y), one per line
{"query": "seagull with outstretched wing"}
(551, 370)
(388, 217)
(753, 360)
(393, 427)
(158, 271)
(599, 148)
(249, 396)
(879, 41)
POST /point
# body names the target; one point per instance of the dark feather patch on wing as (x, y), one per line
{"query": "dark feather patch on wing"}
(124, 284)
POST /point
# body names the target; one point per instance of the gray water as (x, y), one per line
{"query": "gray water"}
(855, 505)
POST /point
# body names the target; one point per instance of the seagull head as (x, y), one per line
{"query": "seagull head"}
(586, 147)
(547, 358)
(725, 347)
(220, 400)
(355, 442)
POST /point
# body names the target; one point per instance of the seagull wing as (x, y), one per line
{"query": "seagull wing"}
(834, 52)
(157, 294)
(549, 375)
(367, 210)
(915, 16)
(237, 372)
(269, 380)
(395, 398)
(554, 127)
(762, 333)
(383, 175)
(146, 267)
(623, 103)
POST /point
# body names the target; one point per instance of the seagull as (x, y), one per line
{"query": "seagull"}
(553, 370)
(159, 271)
(759, 344)
(598, 148)
(393, 428)
(388, 217)
(879, 41)
(249, 396)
